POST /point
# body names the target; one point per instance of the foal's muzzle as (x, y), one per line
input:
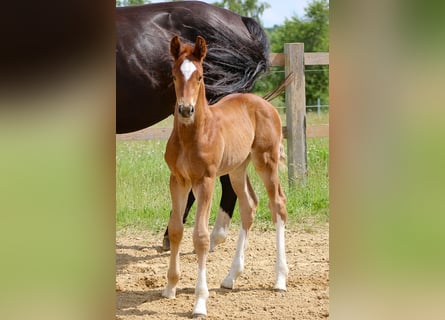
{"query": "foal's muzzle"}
(186, 111)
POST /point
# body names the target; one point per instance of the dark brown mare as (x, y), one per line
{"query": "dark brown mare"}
(211, 140)
(145, 95)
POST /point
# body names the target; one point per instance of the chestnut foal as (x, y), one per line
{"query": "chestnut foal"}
(209, 141)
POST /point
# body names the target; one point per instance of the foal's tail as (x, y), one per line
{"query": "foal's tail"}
(282, 164)
(280, 88)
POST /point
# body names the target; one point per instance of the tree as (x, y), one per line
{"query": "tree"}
(126, 3)
(247, 8)
(313, 31)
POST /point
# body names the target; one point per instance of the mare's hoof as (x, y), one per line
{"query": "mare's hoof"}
(198, 316)
(279, 290)
(166, 244)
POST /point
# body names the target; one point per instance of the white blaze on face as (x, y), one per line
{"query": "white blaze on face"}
(187, 69)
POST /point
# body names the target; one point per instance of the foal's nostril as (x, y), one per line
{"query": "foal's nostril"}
(186, 111)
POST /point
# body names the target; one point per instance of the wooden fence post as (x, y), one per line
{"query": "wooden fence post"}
(296, 113)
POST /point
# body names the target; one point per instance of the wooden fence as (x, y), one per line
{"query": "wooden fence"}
(293, 59)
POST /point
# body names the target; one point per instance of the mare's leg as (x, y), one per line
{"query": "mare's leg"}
(190, 201)
(203, 191)
(179, 191)
(225, 213)
(268, 171)
(248, 202)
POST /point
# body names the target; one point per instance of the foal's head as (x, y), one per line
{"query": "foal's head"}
(187, 75)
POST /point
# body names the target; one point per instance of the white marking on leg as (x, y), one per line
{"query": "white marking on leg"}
(169, 292)
(201, 293)
(281, 265)
(220, 229)
(237, 267)
(187, 69)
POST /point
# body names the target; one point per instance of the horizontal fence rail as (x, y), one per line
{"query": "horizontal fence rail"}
(315, 131)
(310, 59)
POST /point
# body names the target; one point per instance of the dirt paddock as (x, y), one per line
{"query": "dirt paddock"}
(141, 268)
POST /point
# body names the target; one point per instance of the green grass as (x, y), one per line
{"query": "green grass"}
(143, 197)
(142, 193)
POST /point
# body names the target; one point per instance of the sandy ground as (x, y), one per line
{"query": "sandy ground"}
(142, 267)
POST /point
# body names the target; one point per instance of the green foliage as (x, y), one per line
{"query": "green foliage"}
(313, 31)
(247, 8)
(126, 3)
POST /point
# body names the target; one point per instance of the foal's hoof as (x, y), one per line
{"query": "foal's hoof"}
(217, 237)
(166, 244)
(198, 316)
(169, 293)
(280, 287)
(228, 284)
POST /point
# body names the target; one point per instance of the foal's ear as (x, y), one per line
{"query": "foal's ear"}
(200, 48)
(175, 47)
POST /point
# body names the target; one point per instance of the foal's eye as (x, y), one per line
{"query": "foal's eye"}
(199, 78)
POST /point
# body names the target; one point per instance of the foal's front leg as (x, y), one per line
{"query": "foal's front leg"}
(203, 191)
(166, 240)
(179, 191)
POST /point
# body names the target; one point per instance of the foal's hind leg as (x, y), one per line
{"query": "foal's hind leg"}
(225, 212)
(266, 164)
(248, 202)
